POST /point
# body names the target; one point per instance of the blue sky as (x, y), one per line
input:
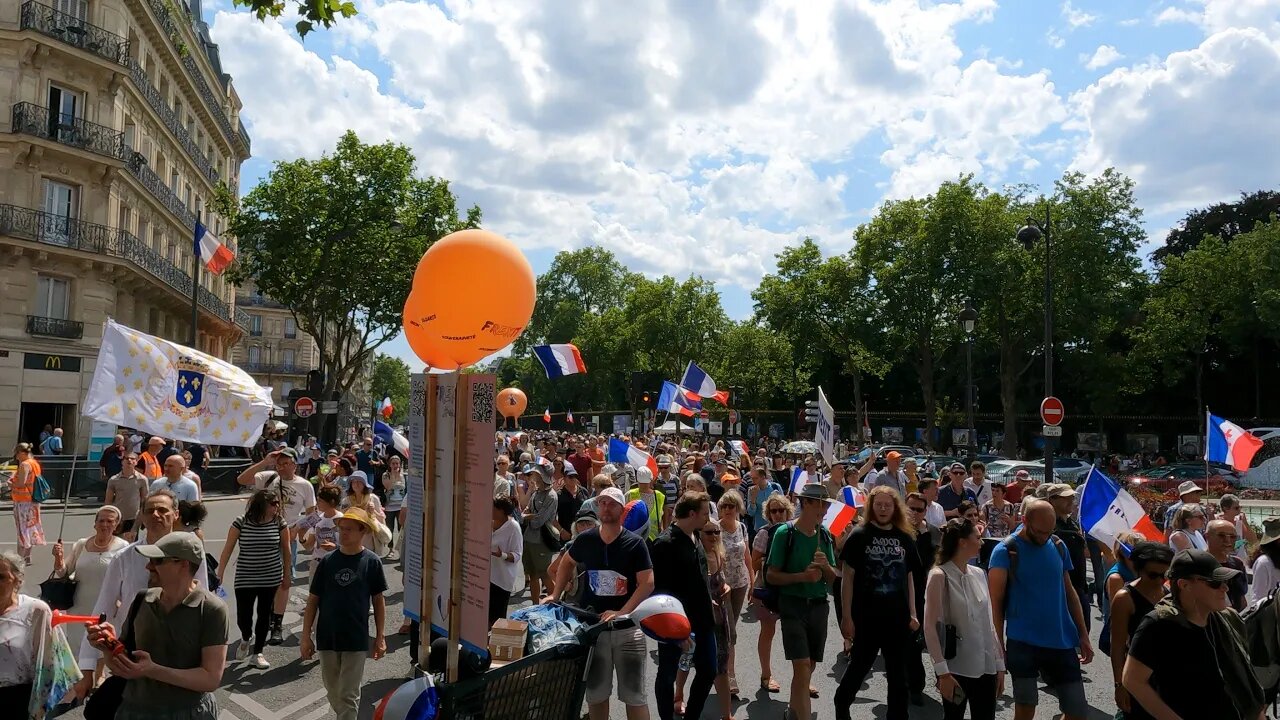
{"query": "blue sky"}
(703, 136)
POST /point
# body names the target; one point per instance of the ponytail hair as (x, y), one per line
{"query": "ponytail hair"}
(953, 532)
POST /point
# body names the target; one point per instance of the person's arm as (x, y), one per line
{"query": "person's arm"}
(1179, 540)
(846, 594)
(563, 575)
(204, 678)
(247, 477)
(1114, 583)
(308, 648)
(867, 466)
(1121, 612)
(110, 498)
(379, 620)
(911, 599)
(1077, 615)
(285, 554)
(997, 585)
(933, 589)
(233, 536)
(1137, 681)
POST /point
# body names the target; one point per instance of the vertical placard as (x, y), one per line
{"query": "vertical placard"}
(475, 475)
(440, 488)
(415, 492)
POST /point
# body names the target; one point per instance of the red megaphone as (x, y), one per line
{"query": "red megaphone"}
(62, 618)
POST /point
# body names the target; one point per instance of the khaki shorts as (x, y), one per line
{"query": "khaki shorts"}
(536, 557)
(620, 652)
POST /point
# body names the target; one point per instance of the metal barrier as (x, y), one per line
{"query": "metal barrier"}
(87, 481)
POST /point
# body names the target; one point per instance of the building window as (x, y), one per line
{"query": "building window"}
(64, 108)
(130, 133)
(144, 229)
(187, 197)
(62, 205)
(126, 218)
(79, 9)
(286, 387)
(52, 297)
(255, 355)
(174, 184)
(290, 328)
(287, 357)
(255, 324)
(171, 252)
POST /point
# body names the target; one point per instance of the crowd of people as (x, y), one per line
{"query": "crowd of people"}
(985, 581)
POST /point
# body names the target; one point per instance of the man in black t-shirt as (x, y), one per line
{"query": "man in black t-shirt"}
(1188, 657)
(680, 570)
(1063, 499)
(618, 577)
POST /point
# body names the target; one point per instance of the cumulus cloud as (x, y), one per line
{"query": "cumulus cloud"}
(1105, 55)
(1075, 17)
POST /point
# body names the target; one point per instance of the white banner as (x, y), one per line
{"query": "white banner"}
(825, 437)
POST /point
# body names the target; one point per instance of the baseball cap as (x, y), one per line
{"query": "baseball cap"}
(181, 545)
(893, 455)
(289, 453)
(613, 494)
(569, 469)
(1199, 563)
(1187, 487)
(331, 453)
(1058, 490)
(956, 466)
(1022, 475)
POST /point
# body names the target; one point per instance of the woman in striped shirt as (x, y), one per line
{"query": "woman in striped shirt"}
(264, 554)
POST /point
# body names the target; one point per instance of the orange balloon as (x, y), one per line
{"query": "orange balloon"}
(512, 402)
(456, 314)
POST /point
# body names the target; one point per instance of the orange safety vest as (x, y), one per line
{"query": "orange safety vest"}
(22, 493)
(151, 468)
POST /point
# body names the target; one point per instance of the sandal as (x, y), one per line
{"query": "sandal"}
(768, 684)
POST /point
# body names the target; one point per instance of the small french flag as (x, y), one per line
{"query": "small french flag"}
(739, 448)
(386, 408)
(799, 478)
(838, 517)
(852, 496)
(560, 360)
(215, 256)
(620, 451)
(546, 416)
(569, 416)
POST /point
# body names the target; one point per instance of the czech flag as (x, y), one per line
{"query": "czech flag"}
(676, 399)
(1106, 510)
(1229, 443)
(546, 416)
(559, 360)
(838, 517)
(701, 383)
(620, 451)
(391, 437)
(385, 408)
(215, 256)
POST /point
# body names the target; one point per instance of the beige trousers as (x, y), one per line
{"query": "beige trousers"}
(343, 673)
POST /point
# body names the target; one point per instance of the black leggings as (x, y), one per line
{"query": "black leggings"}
(393, 519)
(980, 696)
(245, 598)
(498, 599)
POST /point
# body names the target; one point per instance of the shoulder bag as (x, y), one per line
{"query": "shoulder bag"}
(59, 593)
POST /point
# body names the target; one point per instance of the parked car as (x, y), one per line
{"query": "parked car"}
(988, 459)
(1170, 477)
(1265, 470)
(1068, 470)
(940, 462)
(1007, 469)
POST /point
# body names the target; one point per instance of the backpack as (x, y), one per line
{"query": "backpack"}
(1262, 636)
(41, 490)
(1010, 545)
(768, 593)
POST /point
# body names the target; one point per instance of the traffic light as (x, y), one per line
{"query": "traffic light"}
(811, 411)
(646, 398)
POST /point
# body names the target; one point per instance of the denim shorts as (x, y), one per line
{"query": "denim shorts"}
(1061, 671)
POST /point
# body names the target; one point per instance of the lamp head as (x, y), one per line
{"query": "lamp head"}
(1029, 234)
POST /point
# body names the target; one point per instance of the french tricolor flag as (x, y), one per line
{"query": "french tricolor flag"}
(799, 478)
(1106, 510)
(560, 360)
(852, 496)
(738, 448)
(676, 399)
(620, 451)
(1229, 443)
(215, 256)
(546, 416)
(701, 383)
(838, 517)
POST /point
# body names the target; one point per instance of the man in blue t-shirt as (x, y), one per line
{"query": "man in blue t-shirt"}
(1037, 615)
(953, 491)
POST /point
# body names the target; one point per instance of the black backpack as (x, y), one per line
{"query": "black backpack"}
(1262, 633)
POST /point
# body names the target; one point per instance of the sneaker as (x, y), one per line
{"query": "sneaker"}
(242, 652)
(277, 635)
(260, 662)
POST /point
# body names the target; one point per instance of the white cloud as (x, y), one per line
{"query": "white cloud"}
(1056, 41)
(1177, 15)
(1105, 55)
(1075, 17)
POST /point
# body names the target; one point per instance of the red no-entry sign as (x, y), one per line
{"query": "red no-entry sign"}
(305, 407)
(1051, 411)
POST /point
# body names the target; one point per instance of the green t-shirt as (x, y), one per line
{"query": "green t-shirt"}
(802, 550)
(175, 639)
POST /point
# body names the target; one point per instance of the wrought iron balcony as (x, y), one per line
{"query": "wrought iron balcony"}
(31, 119)
(259, 301)
(244, 137)
(137, 167)
(74, 32)
(242, 319)
(54, 327)
(274, 368)
(65, 232)
(169, 26)
(170, 119)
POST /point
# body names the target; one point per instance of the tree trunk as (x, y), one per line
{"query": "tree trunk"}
(857, 408)
(924, 369)
(1009, 400)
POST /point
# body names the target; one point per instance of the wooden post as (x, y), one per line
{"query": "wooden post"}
(428, 525)
(462, 404)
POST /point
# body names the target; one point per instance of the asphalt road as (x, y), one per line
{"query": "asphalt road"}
(292, 688)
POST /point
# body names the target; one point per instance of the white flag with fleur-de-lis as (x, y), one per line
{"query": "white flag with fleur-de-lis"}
(163, 388)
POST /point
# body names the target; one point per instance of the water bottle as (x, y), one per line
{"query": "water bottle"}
(686, 658)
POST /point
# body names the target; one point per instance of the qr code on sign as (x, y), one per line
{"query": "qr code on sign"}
(482, 402)
(417, 396)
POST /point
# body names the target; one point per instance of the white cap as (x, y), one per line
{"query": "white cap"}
(644, 476)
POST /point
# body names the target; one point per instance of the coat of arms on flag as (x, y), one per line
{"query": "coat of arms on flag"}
(188, 391)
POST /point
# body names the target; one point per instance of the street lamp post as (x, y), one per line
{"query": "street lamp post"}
(968, 319)
(1028, 235)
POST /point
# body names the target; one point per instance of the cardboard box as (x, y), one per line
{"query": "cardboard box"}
(507, 639)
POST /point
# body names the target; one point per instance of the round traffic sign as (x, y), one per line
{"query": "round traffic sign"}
(305, 407)
(1051, 411)
(733, 417)
(704, 415)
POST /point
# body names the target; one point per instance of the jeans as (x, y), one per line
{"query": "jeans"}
(342, 673)
(980, 697)
(872, 637)
(704, 668)
(245, 598)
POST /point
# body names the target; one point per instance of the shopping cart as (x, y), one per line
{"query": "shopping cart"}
(546, 685)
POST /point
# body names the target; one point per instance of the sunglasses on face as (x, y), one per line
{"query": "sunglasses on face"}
(915, 509)
(1213, 584)
(713, 533)
(778, 511)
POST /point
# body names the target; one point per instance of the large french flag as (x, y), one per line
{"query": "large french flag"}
(560, 360)
(215, 256)
(1229, 443)
(698, 381)
(838, 517)
(1106, 510)
(675, 399)
(620, 451)
(391, 437)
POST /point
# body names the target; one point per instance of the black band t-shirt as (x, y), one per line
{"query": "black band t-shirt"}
(882, 560)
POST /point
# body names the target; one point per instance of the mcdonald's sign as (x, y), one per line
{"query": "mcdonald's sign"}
(57, 363)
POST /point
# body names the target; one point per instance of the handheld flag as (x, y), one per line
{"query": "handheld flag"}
(385, 408)
(799, 478)
(738, 448)
(391, 437)
(215, 256)
(675, 399)
(560, 360)
(1229, 443)
(569, 417)
(546, 416)
(620, 451)
(1106, 510)
(853, 496)
(701, 383)
(163, 388)
(838, 517)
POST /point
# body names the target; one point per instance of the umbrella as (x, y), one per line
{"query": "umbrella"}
(800, 447)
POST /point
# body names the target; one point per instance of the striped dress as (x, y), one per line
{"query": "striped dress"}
(260, 564)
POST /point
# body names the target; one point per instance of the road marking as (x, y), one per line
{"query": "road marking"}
(304, 702)
(260, 712)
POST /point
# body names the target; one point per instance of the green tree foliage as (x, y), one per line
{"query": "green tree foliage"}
(1224, 220)
(391, 379)
(337, 240)
(323, 12)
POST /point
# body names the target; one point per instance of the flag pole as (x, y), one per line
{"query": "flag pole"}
(1205, 456)
(195, 283)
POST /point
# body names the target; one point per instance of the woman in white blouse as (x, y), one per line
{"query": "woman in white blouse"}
(969, 666)
(24, 631)
(506, 546)
(1266, 566)
(87, 564)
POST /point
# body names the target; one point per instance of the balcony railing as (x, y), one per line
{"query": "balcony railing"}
(74, 31)
(242, 319)
(137, 167)
(259, 301)
(170, 119)
(54, 327)
(244, 137)
(31, 119)
(275, 368)
(90, 237)
(169, 28)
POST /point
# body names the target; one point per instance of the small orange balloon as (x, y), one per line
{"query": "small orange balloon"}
(455, 314)
(512, 402)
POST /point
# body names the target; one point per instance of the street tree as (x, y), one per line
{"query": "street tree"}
(391, 379)
(337, 240)
(1225, 220)
(312, 12)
